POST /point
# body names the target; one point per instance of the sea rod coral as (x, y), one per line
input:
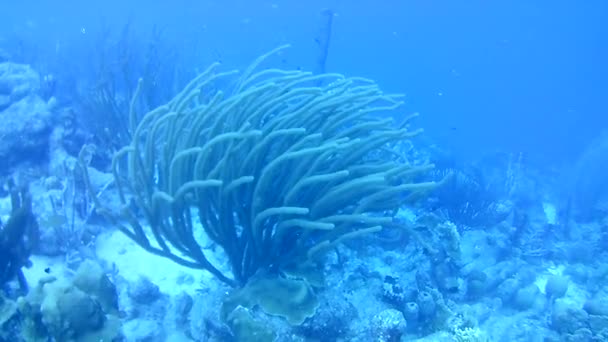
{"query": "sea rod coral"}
(275, 169)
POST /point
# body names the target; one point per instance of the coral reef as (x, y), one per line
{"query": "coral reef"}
(278, 170)
(26, 117)
(264, 178)
(80, 309)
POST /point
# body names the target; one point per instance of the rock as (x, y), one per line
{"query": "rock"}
(598, 305)
(556, 286)
(17, 81)
(388, 325)
(598, 323)
(80, 311)
(526, 297)
(142, 330)
(332, 318)
(144, 291)
(182, 304)
(26, 119)
(566, 319)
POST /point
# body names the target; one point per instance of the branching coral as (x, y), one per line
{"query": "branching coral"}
(276, 170)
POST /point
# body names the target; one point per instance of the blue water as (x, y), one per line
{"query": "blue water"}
(512, 96)
(515, 76)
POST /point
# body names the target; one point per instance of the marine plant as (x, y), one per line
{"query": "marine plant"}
(18, 237)
(114, 63)
(276, 169)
